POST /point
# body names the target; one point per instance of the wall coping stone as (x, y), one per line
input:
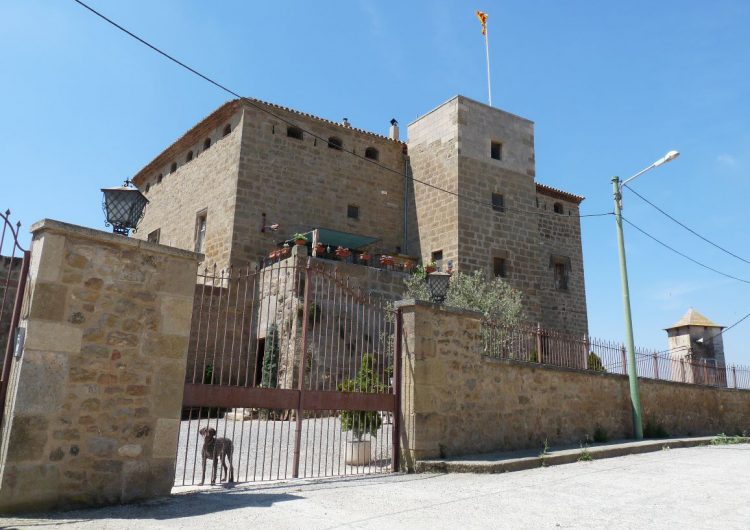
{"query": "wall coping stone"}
(58, 227)
(410, 302)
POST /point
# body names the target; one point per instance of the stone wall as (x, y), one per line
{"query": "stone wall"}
(457, 402)
(94, 414)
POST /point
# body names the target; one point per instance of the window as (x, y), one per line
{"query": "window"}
(558, 207)
(372, 153)
(148, 187)
(189, 156)
(437, 255)
(561, 271)
(159, 178)
(498, 202)
(206, 143)
(500, 267)
(496, 150)
(294, 132)
(227, 130)
(173, 167)
(352, 212)
(153, 237)
(335, 143)
(200, 232)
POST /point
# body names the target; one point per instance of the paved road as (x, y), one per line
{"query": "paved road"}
(702, 487)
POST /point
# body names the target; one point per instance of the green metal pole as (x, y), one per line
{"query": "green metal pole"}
(635, 398)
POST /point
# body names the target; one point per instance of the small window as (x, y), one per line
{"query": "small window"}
(227, 130)
(496, 150)
(352, 212)
(189, 156)
(372, 153)
(153, 237)
(206, 143)
(200, 232)
(436, 256)
(559, 207)
(159, 178)
(561, 271)
(173, 167)
(335, 143)
(498, 202)
(294, 132)
(148, 187)
(500, 267)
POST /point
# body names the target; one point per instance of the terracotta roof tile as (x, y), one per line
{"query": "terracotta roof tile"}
(559, 194)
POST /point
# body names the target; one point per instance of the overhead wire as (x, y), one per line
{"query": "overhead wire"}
(683, 225)
(262, 108)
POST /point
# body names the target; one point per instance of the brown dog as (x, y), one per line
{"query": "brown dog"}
(215, 448)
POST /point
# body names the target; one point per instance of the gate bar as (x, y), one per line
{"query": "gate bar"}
(17, 303)
(396, 434)
(303, 361)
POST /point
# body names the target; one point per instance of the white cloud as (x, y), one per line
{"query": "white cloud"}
(726, 159)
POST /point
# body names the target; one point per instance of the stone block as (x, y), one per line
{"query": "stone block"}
(53, 336)
(42, 383)
(176, 313)
(48, 302)
(165, 438)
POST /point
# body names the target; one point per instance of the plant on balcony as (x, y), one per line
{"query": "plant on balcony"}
(387, 260)
(300, 239)
(343, 252)
(320, 248)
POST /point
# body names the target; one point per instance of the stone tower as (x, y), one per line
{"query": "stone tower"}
(500, 220)
(698, 340)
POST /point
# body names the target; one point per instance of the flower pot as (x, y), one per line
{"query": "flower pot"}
(429, 269)
(320, 249)
(300, 242)
(358, 453)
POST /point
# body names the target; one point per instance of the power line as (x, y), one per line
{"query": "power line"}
(685, 255)
(687, 227)
(262, 108)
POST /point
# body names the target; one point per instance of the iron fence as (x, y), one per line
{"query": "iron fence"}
(554, 348)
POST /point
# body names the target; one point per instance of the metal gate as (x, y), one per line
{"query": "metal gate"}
(14, 269)
(292, 363)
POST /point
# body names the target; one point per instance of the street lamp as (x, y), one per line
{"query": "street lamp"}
(123, 207)
(437, 285)
(635, 399)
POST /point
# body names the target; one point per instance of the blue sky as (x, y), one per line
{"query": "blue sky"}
(610, 86)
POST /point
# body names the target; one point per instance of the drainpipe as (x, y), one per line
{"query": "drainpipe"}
(405, 245)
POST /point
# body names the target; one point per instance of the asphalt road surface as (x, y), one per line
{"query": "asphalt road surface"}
(701, 487)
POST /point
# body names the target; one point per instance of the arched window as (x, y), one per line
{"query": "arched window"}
(294, 132)
(558, 207)
(189, 156)
(173, 167)
(372, 153)
(206, 143)
(335, 143)
(227, 129)
(148, 187)
(158, 179)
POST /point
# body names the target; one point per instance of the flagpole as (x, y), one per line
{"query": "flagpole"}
(487, 49)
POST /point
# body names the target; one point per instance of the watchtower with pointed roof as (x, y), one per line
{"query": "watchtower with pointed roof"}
(696, 338)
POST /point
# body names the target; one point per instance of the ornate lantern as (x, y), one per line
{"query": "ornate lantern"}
(437, 285)
(123, 207)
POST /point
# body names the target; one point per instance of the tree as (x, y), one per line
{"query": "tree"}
(362, 422)
(495, 299)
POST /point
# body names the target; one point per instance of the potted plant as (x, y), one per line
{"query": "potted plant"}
(430, 267)
(361, 422)
(320, 248)
(386, 261)
(285, 251)
(299, 239)
(273, 254)
(343, 253)
(364, 257)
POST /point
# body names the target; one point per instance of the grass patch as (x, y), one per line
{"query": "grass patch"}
(723, 439)
(545, 449)
(585, 455)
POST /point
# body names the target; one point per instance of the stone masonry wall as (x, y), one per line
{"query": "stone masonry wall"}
(304, 184)
(457, 402)
(207, 183)
(94, 415)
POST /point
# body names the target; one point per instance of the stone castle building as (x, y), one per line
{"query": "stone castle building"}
(698, 340)
(461, 192)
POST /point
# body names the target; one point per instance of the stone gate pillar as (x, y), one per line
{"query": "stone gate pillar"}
(95, 397)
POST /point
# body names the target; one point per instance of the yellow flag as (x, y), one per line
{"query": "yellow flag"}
(483, 19)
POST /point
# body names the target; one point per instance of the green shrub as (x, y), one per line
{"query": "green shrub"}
(723, 439)
(595, 363)
(362, 422)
